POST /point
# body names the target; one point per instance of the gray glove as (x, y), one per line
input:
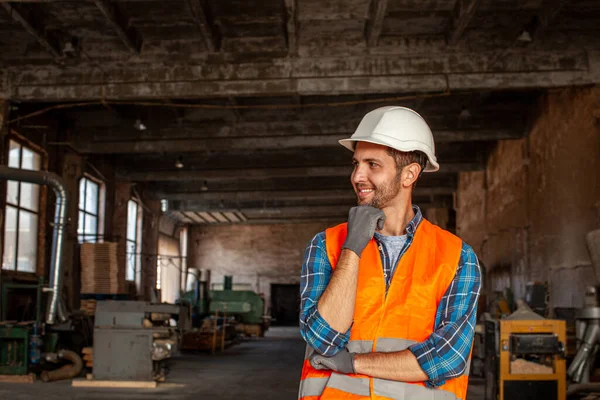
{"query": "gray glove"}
(342, 362)
(362, 221)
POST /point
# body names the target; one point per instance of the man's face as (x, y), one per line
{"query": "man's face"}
(375, 177)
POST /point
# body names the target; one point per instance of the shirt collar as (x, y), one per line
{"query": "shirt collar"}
(412, 226)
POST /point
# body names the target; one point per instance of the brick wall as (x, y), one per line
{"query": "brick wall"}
(257, 255)
(527, 214)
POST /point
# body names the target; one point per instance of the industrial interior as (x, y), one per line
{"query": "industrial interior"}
(166, 162)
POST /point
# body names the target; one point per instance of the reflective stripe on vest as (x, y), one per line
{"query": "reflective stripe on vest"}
(313, 386)
(360, 346)
(408, 391)
(357, 386)
(387, 345)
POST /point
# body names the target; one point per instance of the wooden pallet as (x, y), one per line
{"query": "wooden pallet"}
(29, 378)
(88, 356)
(88, 306)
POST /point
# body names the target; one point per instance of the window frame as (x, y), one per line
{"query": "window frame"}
(98, 237)
(137, 243)
(39, 264)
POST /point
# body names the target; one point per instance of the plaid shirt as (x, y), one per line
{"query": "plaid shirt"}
(443, 355)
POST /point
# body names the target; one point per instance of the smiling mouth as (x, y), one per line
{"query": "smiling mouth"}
(362, 193)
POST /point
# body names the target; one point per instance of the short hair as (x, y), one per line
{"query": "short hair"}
(404, 158)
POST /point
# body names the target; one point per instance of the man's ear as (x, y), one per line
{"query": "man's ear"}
(410, 174)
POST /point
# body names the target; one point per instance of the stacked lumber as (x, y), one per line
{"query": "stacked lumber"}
(29, 378)
(100, 270)
(88, 356)
(88, 306)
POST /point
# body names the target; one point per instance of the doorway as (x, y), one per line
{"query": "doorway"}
(285, 304)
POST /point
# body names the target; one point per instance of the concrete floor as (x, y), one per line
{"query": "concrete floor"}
(267, 368)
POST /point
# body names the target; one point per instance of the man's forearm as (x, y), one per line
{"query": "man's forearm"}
(397, 366)
(336, 305)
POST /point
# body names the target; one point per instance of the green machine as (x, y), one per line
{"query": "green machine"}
(20, 343)
(246, 306)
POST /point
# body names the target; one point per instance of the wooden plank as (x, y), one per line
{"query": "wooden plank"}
(119, 25)
(291, 26)
(114, 384)
(29, 21)
(375, 23)
(201, 20)
(463, 13)
(29, 378)
(550, 10)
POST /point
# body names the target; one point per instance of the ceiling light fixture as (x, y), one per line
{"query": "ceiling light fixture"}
(139, 125)
(525, 36)
(179, 162)
(464, 113)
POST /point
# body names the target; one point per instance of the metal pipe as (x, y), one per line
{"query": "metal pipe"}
(58, 186)
(582, 387)
(68, 371)
(580, 362)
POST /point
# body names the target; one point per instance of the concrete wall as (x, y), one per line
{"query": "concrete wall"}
(257, 255)
(527, 214)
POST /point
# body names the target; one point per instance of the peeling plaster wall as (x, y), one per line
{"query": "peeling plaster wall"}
(526, 216)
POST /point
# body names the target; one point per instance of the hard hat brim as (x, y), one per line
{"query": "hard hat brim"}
(432, 164)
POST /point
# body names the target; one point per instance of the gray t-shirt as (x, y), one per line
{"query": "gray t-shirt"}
(392, 246)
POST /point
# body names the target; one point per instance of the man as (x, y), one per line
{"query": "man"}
(388, 300)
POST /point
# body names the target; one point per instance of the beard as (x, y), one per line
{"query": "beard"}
(383, 194)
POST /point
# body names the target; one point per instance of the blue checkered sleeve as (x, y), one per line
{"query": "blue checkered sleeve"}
(445, 353)
(316, 273)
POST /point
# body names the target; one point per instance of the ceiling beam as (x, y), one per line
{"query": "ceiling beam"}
(550, 9)
(200, 18)
(30, 22)
(233, 174)
(268, 142)
(382, 75)
(223, 130)
(119, 24)
(291, 26)
(235, 111)
(382, 85)
(375, 21)
(264, 173)
(189, 217)
(340, 208)
(294, 183)
(279, 195)
(464, 10)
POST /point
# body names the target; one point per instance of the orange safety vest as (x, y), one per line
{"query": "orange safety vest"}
(392, 322)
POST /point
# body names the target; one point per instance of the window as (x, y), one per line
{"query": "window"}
(89, 226)
(22, 213)
(133, 240)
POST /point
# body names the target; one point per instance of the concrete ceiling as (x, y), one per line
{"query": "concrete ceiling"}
(251, 96)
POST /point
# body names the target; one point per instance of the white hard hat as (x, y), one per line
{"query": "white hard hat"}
(399, 128)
